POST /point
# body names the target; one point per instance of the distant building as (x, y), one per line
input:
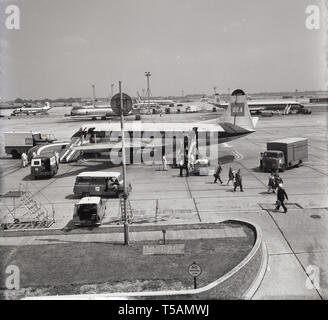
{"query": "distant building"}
(319, 100)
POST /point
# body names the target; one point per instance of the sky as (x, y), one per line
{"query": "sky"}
(65, 46)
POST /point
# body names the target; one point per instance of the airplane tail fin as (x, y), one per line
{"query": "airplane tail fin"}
(238, 112)
(217, 99)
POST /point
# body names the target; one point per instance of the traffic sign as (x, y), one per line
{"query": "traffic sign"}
(194, 270)
(115, 104)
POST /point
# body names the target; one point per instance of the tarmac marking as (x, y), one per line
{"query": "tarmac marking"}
(292, 250)
(317, 170)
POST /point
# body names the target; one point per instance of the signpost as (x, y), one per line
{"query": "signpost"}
(195, 271)
(121, 104)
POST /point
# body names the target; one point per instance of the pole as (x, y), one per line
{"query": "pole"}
(126, 224)
(111, 87)
(93, 95)
(148, 74)
(195, 283)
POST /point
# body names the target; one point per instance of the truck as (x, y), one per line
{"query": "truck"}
(18, 142)
(284, 153)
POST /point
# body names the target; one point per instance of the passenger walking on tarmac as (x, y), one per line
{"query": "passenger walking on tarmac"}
(281, 195)
(277, 179)
(271, 183)
(24, 160)
(218, 172)
(238, 181)
(231, 176)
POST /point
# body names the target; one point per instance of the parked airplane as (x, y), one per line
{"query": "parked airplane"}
(267, 107)
(235, 123)
(28, 110)
(161, 102)
(92, 112)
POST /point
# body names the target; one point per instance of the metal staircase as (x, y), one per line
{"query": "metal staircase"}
(69, 154)
(28, 213)
(35, 210)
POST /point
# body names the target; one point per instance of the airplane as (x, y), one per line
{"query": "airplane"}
(89, 111)
(235, 123)
(267, 107)
(162, 102)
(28, 110)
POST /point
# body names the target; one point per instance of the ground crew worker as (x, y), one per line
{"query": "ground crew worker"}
(186, 165)
(238, 181)
(164, 162)
(181, 166)
(281, 195)
(24, 160)
(271, 183)
(218, 172)
(231, 175)
(57, 158)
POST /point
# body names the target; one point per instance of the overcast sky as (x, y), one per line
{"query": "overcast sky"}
(64, 46)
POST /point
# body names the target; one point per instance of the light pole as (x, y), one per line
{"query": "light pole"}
(93, 94)
(148, 74)
(126, 224)
(112, 88)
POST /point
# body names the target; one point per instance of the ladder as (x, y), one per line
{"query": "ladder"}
(35, 209)
(129, 213)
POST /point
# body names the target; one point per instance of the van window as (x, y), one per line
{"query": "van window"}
(83, 180)
(36, 163)
(86, 211)
(98, 180)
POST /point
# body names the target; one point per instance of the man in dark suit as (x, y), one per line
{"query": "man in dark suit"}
(281, 196)
(238, 181)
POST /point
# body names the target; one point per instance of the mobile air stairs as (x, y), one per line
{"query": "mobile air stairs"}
(69, 154)
(26, 213)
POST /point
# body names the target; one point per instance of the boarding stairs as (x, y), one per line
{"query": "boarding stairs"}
(129, 213)
(192, 149)
(35, 210)
(287, 109)
(70, 154)
(27, 212)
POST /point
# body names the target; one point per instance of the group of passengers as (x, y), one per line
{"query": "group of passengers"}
(233, 176)
(275, 184)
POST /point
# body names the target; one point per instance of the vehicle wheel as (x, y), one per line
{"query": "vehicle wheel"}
(15, 154)
(283, 168)
(103, 118)
(299, 163)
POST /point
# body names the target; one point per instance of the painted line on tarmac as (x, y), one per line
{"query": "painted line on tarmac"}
(317, 170)
(253, 174)
(293, 252)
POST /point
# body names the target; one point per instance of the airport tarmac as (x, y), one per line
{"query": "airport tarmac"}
(297, 241)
